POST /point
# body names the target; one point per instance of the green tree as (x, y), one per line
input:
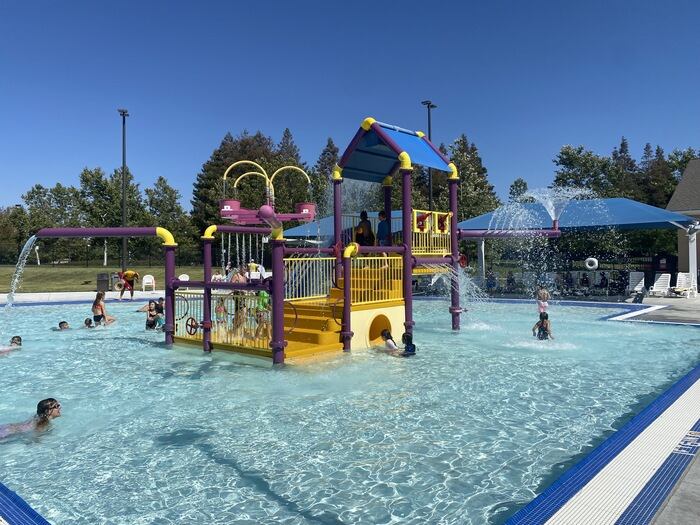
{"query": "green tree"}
(517, 189)
(476, 195)
(578, 167)
(209, 186)
(290, 186)
(321, 183)
(678, 159)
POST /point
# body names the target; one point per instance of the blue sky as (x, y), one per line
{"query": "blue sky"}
(521, 79)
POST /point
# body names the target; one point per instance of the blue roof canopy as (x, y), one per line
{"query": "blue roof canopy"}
(374, 152)
(591, 214)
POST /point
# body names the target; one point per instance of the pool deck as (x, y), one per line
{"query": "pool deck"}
(646, 472)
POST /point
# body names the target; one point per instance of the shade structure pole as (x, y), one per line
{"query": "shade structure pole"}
(206, 322)
(277, 295)
(693, 258)
(406, 216)
(337, 222)
(455, 309)
(169, 295)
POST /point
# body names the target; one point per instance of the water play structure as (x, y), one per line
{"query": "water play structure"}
(321, 299)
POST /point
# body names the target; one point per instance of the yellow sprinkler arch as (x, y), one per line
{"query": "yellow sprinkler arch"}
(268, 182)
(250, 162)
(293, 168)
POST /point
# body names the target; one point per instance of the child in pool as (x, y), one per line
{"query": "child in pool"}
(542, 299)
(15, 343)
(543, 328)
(46, 410)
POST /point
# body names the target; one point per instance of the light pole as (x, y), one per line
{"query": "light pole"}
(125, 248)
(428, 104)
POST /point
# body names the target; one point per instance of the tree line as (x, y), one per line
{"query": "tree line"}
(96, 201)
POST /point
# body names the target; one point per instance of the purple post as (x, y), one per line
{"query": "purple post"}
(346, 332)
(337, 225)
(455, 309)
(169, 295)
(387, 203)
(277, 293)
(206, 322)
(406, 216)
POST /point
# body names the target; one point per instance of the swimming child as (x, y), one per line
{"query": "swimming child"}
(543, 328)
(63, 325)
(15, 342)
(542, 298)
(88, 323)
(46, 410)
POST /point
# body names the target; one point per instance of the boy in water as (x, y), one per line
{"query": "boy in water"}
(63, 325)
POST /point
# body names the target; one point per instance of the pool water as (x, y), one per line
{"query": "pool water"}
(465, 432)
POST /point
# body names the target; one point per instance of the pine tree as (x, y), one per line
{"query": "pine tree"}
(321, 183)
(517, 190)
(291, 187)
(209, 185)
(578, 167)
(475, 196)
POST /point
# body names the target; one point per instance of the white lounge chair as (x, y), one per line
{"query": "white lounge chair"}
(636, 283)
(184, 277)
(148, 280)
(662, 285)
(685, 286)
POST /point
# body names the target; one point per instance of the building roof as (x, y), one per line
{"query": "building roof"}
(591, 214)
(377, 148)
(686, 198)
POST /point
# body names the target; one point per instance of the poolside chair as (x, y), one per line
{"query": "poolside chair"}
(148, 280)
(662, 285)
(684, 286)
(636, 283)
(183, 277)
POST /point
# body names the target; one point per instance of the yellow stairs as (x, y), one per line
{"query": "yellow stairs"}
(312, 327)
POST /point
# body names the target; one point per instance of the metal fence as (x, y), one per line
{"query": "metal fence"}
(308, 277)
(375, 279)
(239, 318)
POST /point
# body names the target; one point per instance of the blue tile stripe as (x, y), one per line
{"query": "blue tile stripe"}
(15, 511)
(545, 505)
(647, 502)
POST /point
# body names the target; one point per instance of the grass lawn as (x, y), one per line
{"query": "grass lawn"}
(63, 278)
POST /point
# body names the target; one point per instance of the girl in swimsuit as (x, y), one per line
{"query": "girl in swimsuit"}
(152, 316)
(543, 328)
(99, 315)
(221, 313)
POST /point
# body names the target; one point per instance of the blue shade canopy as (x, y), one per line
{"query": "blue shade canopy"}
(591, 214)
(374, 153)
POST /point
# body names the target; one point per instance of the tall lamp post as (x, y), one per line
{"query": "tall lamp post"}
(428, 104)
(124, 113)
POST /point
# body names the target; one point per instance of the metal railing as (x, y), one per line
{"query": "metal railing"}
(308, 277)
(431, 233)
(239, 318)
(376, 279)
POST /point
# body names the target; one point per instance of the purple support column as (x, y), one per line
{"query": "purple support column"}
(387, 202)
(455, 309)
(206, 322)
(169, 294)
(407, 215)
(337, 225)
(277, 294)
(346, 333)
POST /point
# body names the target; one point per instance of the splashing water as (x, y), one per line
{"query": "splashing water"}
(19, 269)
(555, 200)
(469, 291)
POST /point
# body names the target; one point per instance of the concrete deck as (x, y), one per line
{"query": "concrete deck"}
(683, 503)
(678, 310)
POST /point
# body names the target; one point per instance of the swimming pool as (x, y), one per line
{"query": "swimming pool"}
(465, 432)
